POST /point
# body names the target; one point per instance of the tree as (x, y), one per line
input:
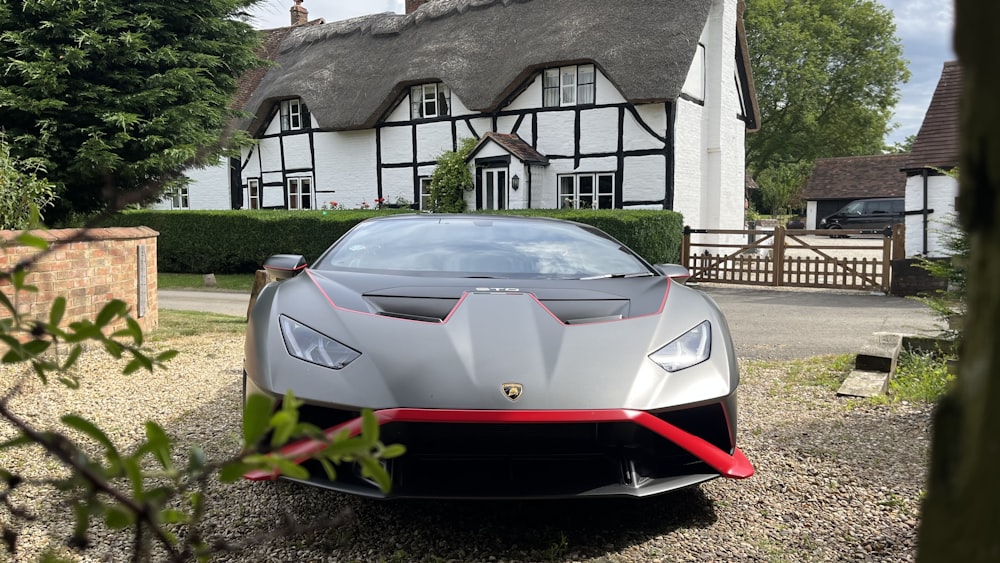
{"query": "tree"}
(451, 179)
(827, 75)
(960, 517)
(110, 96)
(23, 195)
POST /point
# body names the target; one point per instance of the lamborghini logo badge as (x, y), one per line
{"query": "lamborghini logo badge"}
(512, 390)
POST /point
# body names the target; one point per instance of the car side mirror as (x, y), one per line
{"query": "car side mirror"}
(675, 272)
(285, 266)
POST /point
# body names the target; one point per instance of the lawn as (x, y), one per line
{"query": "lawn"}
(230, 282)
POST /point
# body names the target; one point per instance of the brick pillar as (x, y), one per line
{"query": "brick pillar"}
(412, 5)
(300, 15)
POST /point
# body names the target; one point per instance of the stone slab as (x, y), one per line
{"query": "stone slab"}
(860, 383)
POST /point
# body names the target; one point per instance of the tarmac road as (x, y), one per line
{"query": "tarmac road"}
(765, 323)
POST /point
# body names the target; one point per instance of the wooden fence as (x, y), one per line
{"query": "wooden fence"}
(788, 258)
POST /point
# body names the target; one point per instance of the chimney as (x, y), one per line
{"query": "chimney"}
(412, 5)
(300, 15)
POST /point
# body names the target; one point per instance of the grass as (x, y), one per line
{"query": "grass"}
(921, 377)
(231, 282)
(178, 324)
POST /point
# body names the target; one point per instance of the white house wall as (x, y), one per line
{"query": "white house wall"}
(941, 194)
(686, 155)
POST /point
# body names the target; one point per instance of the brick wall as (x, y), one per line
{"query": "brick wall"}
(103, 265)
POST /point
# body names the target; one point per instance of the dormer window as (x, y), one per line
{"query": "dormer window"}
(568, 86)
(430, 100)
(294, 115)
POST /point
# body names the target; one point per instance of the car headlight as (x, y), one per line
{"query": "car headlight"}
(690, 349)
(306, 344)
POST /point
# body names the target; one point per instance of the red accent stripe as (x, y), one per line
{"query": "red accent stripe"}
(735, 466)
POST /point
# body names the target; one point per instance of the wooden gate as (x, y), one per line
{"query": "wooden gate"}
(856, 259)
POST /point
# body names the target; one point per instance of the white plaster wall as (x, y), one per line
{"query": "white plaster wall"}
(397, 144)
(345, 166)
(644, 178)
(688, 163)
(530, 98)
(298, 154)
(432, 140)
(396, 182)
(694, 84)
(505, 123)
(209, 188)
(599, 130)
(811, 211)
(401, 112)
(555, 133)
(941, 194)
(605, 91)
(480, 124)
(269, 154)
(636, 137)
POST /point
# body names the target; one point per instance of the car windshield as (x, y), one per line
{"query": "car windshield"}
(482, 247)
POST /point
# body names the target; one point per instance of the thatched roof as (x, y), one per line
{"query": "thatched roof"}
(349, 73)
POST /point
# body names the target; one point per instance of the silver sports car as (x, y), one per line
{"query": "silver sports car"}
(513, 357)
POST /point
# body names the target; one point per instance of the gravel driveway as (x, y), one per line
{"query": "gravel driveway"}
(836, 480)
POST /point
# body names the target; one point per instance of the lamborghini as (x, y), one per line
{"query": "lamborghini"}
(513, 357)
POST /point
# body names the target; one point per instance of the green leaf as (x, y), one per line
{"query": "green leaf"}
(196, 460)
(232, 472)
(172, 516)
(256, 418)
(395, 450)
(118, 517)
(33, 241)
(90, 429)
(369, 426)
(164, 357)
(57, 311)
(159, 444)
(290, 469)
(72, 357)
(283, 424)
(331, 472)
(21, 440)
(372, 469)
(111, 310)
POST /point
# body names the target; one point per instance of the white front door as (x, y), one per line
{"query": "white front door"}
(494, 188)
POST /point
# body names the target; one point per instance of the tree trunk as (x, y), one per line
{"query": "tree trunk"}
(961, 514)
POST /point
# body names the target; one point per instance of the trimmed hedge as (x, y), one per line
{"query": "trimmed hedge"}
(227, 242)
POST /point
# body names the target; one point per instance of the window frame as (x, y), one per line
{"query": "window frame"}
(424, 200)
(563, 87)
(253, 193)
(180, 198)
(302, 194)
(440, 95)
(598, 191)
(294, 115)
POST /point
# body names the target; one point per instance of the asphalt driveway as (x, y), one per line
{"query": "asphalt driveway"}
(765, 323)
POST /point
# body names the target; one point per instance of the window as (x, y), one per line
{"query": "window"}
(568, 86)
(299, 193)
(430, 100)
(425, 194)
(253, 193)
(179, 199)
(587, 191)
(294, 115)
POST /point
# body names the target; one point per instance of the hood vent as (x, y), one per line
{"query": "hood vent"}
(422, 309)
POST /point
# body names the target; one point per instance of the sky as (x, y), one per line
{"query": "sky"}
(924, 27)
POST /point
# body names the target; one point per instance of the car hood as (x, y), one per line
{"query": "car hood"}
(459, 343)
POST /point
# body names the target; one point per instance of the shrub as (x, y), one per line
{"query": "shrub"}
(225, 242)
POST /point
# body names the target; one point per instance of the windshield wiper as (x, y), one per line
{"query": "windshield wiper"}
(608, 276)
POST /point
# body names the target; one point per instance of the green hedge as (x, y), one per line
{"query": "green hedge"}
(226, 242)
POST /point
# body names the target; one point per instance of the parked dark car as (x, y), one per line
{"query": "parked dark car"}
(875, 213)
